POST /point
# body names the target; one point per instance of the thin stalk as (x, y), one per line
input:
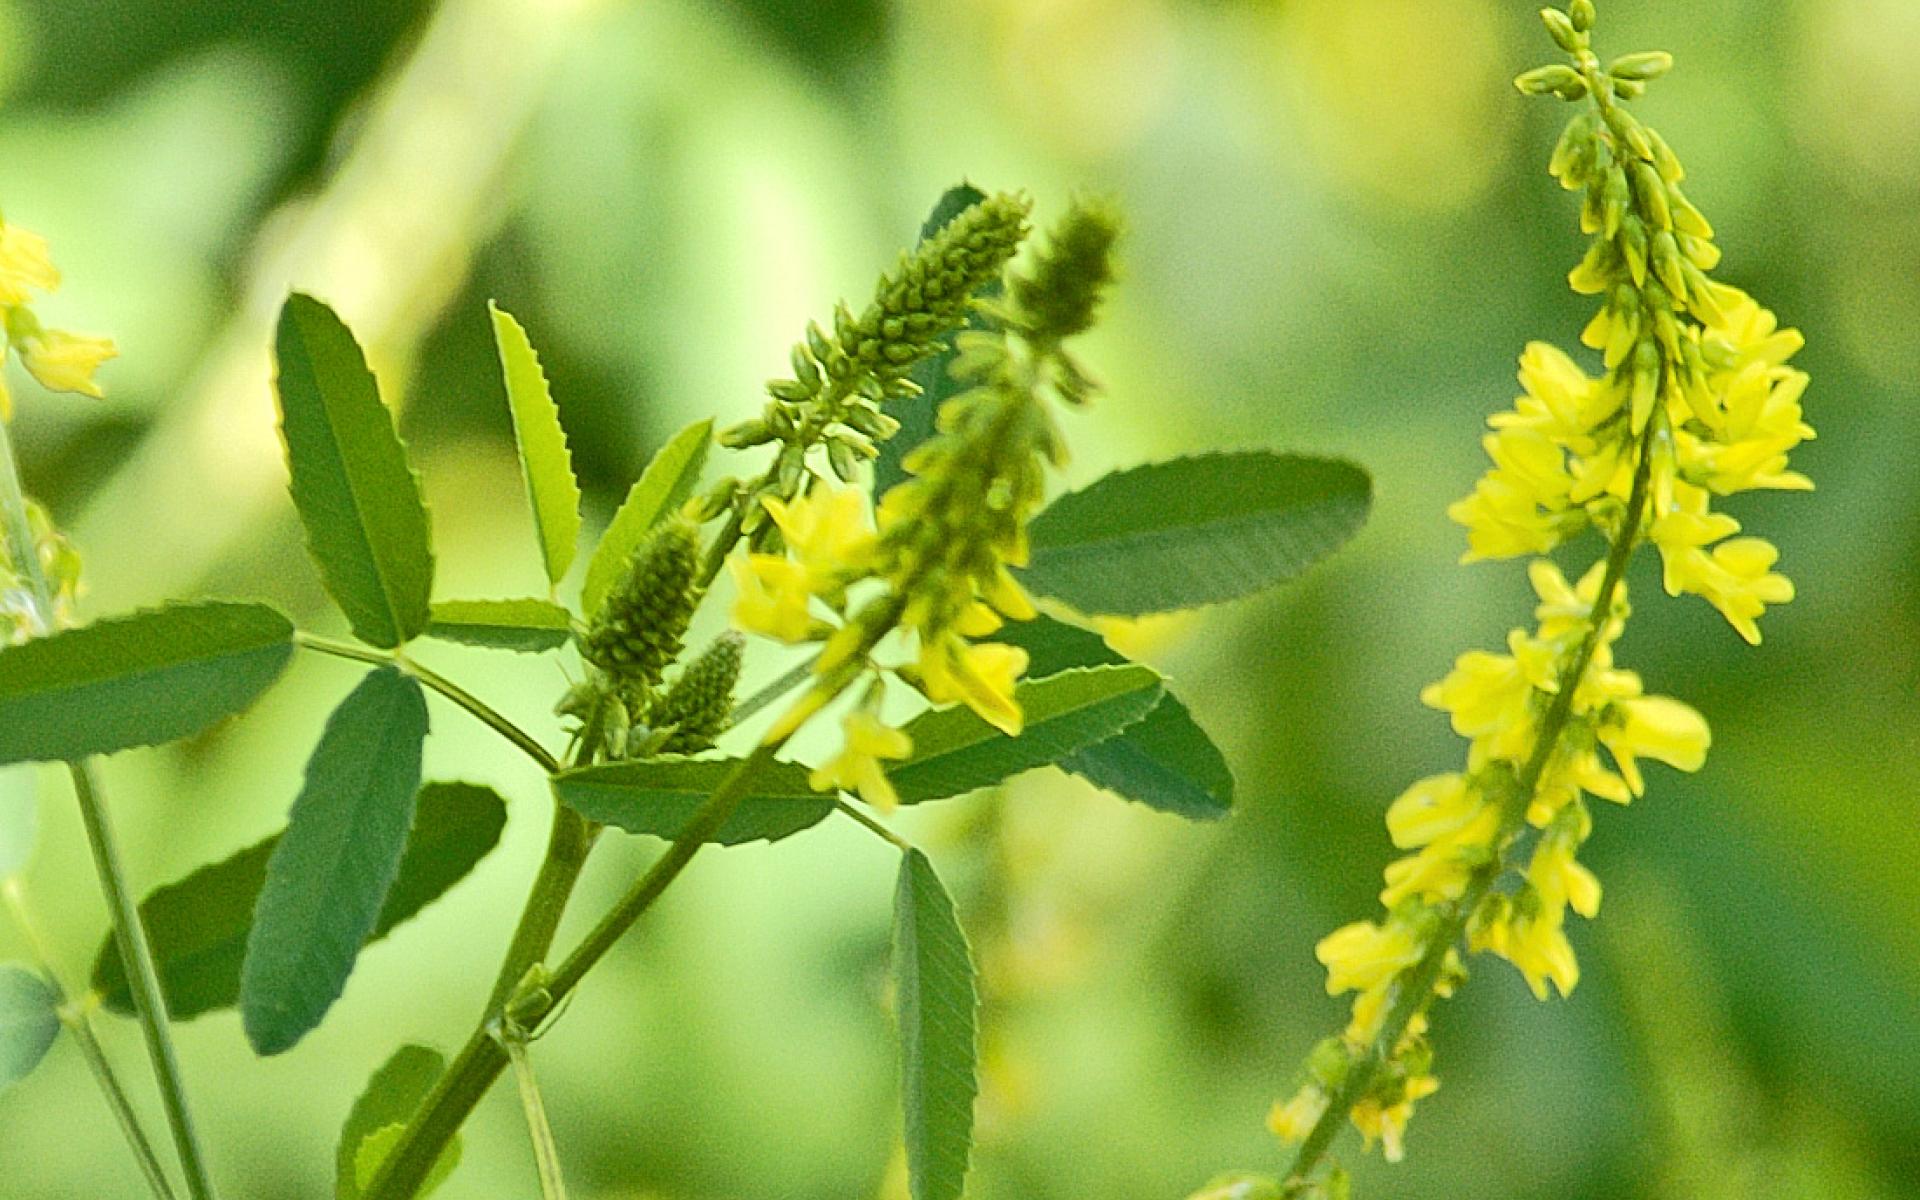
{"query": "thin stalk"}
(1415, 990)
(872, 826)
(74, 1016)
(487, 714)
(746, 709)
(482, 1059)
(128, 934)
(546, 1153)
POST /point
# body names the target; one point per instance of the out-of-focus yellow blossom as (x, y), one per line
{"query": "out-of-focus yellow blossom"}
(857, 767)
(827, 531)
(1387, 1123)
(65, 362)
(24, 266)
(1695, 402)
(774, 599)
(61, 361)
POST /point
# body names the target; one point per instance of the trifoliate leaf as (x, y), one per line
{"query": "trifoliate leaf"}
(29, 1022)
(525, 626)
(1193, 531)
(658, 796)
(1164, 761)
(955, 752)
(935, 999)
(545, 461)
(357, 496)
(661, 488)
(199, 925)
(137, 680)
(328, 878)
(393, 1094)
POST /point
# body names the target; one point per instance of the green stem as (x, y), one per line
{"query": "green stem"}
(872, 826)
(487, 714)
(745, 710)
(128, 934)
(482, 1059)
(568, 842)
(74, 1017)
(1414, 990)
(546, 1154)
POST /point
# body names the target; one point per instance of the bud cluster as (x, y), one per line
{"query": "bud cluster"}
(842, 378)
(946, 536)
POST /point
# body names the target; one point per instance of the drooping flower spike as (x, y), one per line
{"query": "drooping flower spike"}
(1694, 401)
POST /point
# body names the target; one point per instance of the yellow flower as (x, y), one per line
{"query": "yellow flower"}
(1431, 809)
(827, 530)
(981, 676)
(1364, 955)
(775, 597)
(857, 767)
(1657, 727)
(1387, 1123)
(1538, 946)
(1561, 881)
(1292, 1120)
(24, 265)
(1441, 869)
(65, 362)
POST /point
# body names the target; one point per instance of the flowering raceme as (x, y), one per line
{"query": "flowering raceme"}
(941, 543)
(1695, 402)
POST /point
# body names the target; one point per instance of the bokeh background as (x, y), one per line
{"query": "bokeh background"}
(1342, 234)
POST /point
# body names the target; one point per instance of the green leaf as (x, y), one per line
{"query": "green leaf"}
(393, 1094)
(526, 626)
(19, 818)
(137, 680)
(329, 876)
(1164, 761)
(376, 1146)
(955, 752)
(661, 488)
(199, 925)
(29, 1021)
(356, 495)
(933, 375)
(544, 458)
(658, 796)
(1193, 531)
(934, 996)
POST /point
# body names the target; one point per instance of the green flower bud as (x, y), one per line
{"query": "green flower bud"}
(1582, 14)
(1555, 79)
(1651, 191)
(1059, 297)
(699, 705)
(1329, 1062)
(746, 433)
(1648, 64)
(1560, 28)
(638, 629)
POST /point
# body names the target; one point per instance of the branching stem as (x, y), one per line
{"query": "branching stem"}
(129, 936)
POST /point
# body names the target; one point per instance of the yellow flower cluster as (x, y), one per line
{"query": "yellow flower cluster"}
(62, 362)
(1695, 400)
(943, 540)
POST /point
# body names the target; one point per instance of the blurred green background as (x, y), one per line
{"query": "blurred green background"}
(1342, 234)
